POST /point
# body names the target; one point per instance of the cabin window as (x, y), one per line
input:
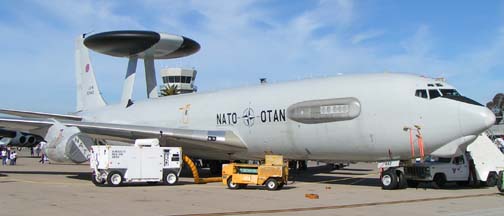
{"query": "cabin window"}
(171, 79)
(421, 93)
(434, 93)
(177, 79)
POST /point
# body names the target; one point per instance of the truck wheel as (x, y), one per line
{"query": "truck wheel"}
(231, 185)
(97, 180)
(412, 183)
(389, 179)
(272, 184)
(402, 183)
(439, 181)
(491, 180)
(500, 181)
(170, 178)
(114, 178)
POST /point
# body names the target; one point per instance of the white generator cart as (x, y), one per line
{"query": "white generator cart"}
(146, 161)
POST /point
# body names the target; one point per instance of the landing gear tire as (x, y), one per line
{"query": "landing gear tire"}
(272, 184)
(439, 181)
(231, 185)
(170, 178)
(389, 180)
(491, 180)
(114, 178)
(215, 167)
(97, 180)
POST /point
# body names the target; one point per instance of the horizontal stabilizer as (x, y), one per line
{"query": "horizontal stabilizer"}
(29, 114)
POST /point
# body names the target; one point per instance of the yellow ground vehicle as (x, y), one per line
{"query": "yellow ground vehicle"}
(273, 174)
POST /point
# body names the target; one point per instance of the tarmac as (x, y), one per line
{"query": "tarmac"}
(30, 188)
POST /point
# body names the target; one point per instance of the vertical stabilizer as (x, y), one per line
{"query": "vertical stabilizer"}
(88, 93)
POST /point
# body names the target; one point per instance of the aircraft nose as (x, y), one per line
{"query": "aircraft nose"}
(475, 119)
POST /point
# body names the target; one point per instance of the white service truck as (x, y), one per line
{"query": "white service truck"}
(487, 159)
(146, 161)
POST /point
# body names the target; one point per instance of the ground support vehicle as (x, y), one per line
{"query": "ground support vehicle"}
(146, 161)
(500, 181)
(479, 165)
(272, 174)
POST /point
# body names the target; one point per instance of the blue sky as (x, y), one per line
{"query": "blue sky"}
(242, 41)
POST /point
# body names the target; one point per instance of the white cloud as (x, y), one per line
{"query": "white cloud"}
(368, 35)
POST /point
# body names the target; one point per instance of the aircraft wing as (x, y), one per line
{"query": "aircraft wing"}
(222, 140)
(29, 114)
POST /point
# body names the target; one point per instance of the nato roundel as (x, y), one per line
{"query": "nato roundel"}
(141, 44)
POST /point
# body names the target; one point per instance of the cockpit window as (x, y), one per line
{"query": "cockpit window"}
(439, 85)
(430, 85)
(421, 93)
(434, 93)
(451, 92)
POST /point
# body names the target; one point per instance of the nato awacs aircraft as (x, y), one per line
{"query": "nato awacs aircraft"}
(347, 118)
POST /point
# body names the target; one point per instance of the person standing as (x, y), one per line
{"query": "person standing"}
(42, 149)
(37, 150)
(4, 157)
(13, 157)
(31, 152)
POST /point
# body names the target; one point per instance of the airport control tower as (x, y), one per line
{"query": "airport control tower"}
(183, 78)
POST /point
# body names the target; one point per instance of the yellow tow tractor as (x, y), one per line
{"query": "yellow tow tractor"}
(272, 174)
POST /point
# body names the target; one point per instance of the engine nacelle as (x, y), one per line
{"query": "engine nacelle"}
(20, 139)
(67, 144)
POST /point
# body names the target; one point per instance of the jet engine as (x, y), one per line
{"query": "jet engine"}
(67, 144)
(21, 139)
(26, 140)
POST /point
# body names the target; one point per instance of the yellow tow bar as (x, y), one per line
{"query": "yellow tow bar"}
(195, 173)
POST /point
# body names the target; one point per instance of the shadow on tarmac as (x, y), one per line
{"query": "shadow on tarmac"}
(325, 174)
(72, 175)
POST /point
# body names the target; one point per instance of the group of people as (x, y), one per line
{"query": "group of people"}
(8, 156)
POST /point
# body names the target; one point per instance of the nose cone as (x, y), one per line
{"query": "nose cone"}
(475, 119)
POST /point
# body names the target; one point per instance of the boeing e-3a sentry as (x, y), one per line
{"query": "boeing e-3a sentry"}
(347, 118)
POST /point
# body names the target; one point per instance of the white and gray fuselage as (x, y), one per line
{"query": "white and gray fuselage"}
(355, 118)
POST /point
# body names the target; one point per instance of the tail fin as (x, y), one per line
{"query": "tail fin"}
(88, 93)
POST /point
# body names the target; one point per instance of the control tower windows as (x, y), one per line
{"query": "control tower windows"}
(177, 79)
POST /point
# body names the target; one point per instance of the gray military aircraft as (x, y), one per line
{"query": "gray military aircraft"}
(346, 118)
